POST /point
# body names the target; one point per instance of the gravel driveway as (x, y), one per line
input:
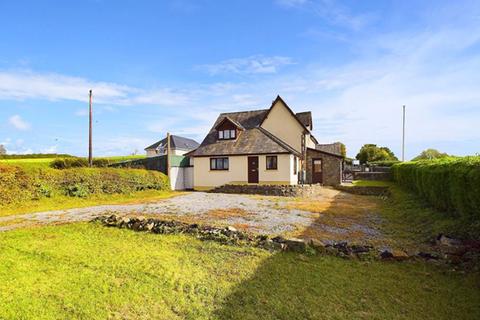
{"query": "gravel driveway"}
(268, 215)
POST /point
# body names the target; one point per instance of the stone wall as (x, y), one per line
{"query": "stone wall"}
(271, 190)
(378, 176)
(332, 167)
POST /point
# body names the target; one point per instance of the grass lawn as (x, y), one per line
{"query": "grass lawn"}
(86, 271)
(371, 183)
(64, 202)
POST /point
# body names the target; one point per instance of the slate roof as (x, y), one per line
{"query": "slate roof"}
(305, 118)
(252, 140)
(331, 148)
(176, 142)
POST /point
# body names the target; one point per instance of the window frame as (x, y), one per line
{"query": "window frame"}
(216, 161)
(227, 134)
(275, 167)
(295, 165)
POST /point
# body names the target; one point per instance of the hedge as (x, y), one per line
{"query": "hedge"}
(448, 184)
(19, 184)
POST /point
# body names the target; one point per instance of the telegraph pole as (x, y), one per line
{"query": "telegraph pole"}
(90, 155)
(403, 135)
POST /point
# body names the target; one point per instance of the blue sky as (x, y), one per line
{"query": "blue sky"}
(158, 66)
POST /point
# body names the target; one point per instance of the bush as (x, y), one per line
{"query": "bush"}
(68, 163)
(448, 184)
(385, 163)
(18, 184)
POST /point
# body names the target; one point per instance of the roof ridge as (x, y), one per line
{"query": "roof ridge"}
(257, 110)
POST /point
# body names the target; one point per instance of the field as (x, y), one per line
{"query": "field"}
(45, 162)
(86, 271)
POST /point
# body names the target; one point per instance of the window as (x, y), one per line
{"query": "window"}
(317, 165)
(294, 165)
(271, 162)
(226, 134)
(218, 163)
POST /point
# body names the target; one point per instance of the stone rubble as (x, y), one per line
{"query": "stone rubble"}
(449, 249)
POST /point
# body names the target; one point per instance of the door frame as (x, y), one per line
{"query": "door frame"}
(313, 170)
(256, 169)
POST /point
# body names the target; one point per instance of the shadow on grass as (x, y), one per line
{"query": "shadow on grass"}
(298, 286)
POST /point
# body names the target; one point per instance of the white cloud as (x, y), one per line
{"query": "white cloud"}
(332, 12)
(51, 149)
(257, 64)
(18, 122)
(22, 85)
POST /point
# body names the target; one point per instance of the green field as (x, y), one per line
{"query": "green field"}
(87, 271)
(45, 162)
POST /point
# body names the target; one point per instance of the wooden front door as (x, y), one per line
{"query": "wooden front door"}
(317, 171)
(252, 169)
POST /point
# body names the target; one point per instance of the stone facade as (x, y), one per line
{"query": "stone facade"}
(378, 176)
(270, 190)
(332, 167)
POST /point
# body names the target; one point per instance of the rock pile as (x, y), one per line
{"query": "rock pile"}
(446, 249)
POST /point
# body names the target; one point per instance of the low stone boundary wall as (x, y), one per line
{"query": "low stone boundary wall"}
(378, 176)
(229, 235)
(271, 190)
(365, 190)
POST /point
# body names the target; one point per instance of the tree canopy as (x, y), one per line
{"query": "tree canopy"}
(430, 154)
(2, 149)
(371, 152)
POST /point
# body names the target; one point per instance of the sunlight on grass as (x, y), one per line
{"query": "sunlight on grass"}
(88, 271)
(64, 202)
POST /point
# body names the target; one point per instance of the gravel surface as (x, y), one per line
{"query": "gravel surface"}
(266, 215)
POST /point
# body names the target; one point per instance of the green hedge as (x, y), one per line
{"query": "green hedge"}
(34, 156)
(19, 184)
(448, 184)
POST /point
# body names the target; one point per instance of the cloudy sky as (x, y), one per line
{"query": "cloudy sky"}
(158, 66)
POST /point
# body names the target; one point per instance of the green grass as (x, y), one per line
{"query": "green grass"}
(409, 217)
(86, 271)
(63, 202)
(371, 183)
(45, 162)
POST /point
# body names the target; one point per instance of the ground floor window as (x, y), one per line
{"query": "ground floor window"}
(218, 163)
(294, 165)
(271, 162)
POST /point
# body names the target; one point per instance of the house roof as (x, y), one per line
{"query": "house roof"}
(277, 99)
(253, 140)
(176, 142)
(305, 118)
(334, 148)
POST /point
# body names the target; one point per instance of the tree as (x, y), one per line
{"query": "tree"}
(430, 154)
(370, 152)
(2, 150)
(343, 149)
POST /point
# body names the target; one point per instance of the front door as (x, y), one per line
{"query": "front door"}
(252, 169)
(317, 171)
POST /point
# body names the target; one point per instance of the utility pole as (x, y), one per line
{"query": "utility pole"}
(90, 155)
(403, 135)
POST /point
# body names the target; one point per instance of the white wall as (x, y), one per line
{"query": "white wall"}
(204, 178)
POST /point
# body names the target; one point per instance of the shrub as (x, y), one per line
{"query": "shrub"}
(67, 163)
(19, 184)
(101, 163)
(385, 163)
(448, 184)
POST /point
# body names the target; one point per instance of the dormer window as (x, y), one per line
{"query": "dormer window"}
(227, 134)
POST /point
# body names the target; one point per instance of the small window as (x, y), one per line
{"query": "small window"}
(232, 134)
(226, 134)
(220, 134)
(271, 162)
(218, 163)
(294, 165)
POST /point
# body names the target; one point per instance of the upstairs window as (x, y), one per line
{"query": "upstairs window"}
(271, 162)
(227, 134)
(218, 163)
